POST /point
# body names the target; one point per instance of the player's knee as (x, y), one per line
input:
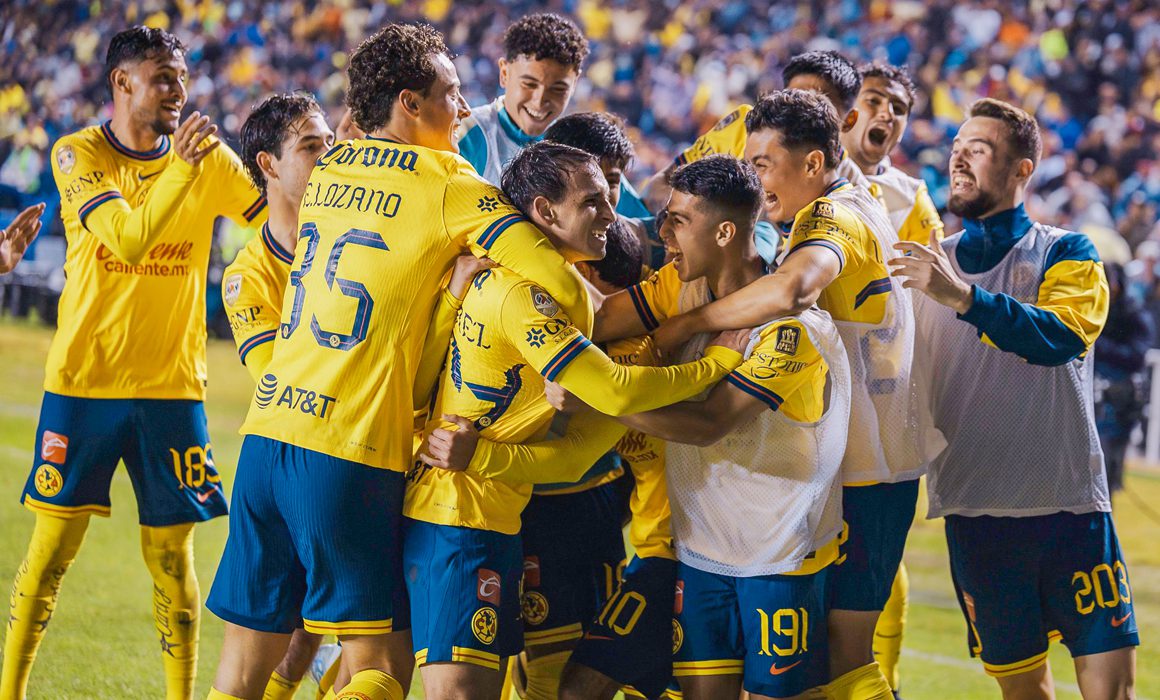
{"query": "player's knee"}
(168, 551)
(303, 647)
(578, 682)
(1035, 684)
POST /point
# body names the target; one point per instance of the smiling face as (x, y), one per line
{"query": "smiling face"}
(155, 90)
(536, 92)
(689, 232)
(883, 111)
(791, 177)
(578, 223)
(305, 141)
(983, 173)
(441, 108)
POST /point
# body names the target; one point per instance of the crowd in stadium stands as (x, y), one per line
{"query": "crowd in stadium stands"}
(1090, 72)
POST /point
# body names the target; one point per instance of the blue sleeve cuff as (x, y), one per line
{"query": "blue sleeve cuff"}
(983, 307)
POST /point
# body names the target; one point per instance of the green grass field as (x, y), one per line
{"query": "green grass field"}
(101, 643)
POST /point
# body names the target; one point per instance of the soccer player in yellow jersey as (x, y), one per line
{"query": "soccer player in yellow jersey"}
(14, 239)
(126, 372)
(318, 499)
(462, 549)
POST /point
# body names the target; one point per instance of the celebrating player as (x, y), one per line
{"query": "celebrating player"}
(1021, 483)
(126, 373)
(389, 213)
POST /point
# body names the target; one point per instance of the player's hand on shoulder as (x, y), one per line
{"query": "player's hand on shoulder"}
(736, 340)
(465, 269)
(450, 448)
(15, 239)
(928, 269)
(189, 141)
(563, 400)
(347, 129)
(673, 333)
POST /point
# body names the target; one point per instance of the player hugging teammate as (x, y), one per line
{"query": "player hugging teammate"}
(441, 452)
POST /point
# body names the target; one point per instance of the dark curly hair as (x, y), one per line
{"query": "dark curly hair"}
(804, 118)
(542, 169)
(1022, 130)
(623, 260)
(891, 74)
(393, 59)
(727, 183)
(830, 66)
(137, 44)
(597, 133)
(265, 129)
(546, 36)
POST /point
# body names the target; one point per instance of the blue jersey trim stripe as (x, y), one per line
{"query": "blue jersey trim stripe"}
(491, 233)
(263, 337)
(825, 244)
(274, 246)
(89, 206)
(878, 286)
(562, 358)
(126, 151)
(255, 208)
(642, 308)
(835, 185)
(755, 390)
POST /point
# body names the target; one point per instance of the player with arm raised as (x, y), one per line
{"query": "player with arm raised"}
(126, 372)
(380, 223)
(1011, 308)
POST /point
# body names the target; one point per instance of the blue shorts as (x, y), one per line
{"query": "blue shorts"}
(1022, 581)
(631, 641)
(772, 629)
(877, 520)
(573, 551)
(163, 442)
(314, 542)
(464, 586)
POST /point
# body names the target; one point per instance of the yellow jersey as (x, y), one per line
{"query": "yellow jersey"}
(379, 226)
(252, 289)
(138, 227)
(511, 336)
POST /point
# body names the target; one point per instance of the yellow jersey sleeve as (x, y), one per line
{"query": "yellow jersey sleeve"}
(650, 529)
(89, 195)
(819, 224)
(785, 371)
(565, 459)
(922, 220)
(435, 348)
(727, 136)
(480, 216)
(656, 298)
(252, 291)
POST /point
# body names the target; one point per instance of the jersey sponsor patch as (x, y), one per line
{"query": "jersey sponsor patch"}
(231, 289)
(48, 480)
(544, 302)
(53, 447)
(787, 340)
(532, 572)
(535, 607)
(488, 584)
(679, 598)
(66, 159)
(484, 624)
(824, 210)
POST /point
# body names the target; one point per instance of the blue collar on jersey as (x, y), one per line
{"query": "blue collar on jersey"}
(274, 246)
(154, 154)
(985, 241)
(512, 131)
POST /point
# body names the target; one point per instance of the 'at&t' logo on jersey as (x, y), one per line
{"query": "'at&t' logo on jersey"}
(293, 398)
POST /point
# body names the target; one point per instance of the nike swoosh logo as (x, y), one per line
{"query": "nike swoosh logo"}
(776, 670)
(1117, 621)
(203, 497)
(146, 177)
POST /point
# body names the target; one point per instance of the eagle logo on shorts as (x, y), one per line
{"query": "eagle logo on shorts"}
(535, 607)
(678, 636)
(48, 480)
(484, 624)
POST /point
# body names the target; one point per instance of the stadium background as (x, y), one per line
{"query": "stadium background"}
(1089, 71)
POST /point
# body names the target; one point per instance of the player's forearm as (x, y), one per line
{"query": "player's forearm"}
(434, 348)
(688, 423)
(764, 299)
(1036, 334)
(618, 390)
(525, 251)
(616, 318)
(562, 460)
(130, 233)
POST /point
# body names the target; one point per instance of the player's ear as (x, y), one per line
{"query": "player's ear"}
(120, 80)
(503, 73)
(1024, 169)
(851, 120)
(815, 163)
(544, 211)
(725, 232)
(266, 165)
(409, 101)
(587, 272)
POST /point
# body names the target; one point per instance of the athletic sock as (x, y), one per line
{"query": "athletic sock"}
(280, 688)
(863, 683)
(215, 694)
(544, 675)
(52, 549)
(168, 553)
(371, 685)
(891, 625)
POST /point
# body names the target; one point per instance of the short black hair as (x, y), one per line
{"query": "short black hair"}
(623, 260)
(725, 182)
(1022, 129)
(546, 36)
(543, 169)
(597, 133)
(393, 59)
(137, 44)
(831, 66)
(804, 118)
(889, 73)
(265, 129)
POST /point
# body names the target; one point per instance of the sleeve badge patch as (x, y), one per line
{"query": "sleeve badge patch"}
(787, 340)
(544, 302)
(231, 289)
(824, 210)
(66, 159)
